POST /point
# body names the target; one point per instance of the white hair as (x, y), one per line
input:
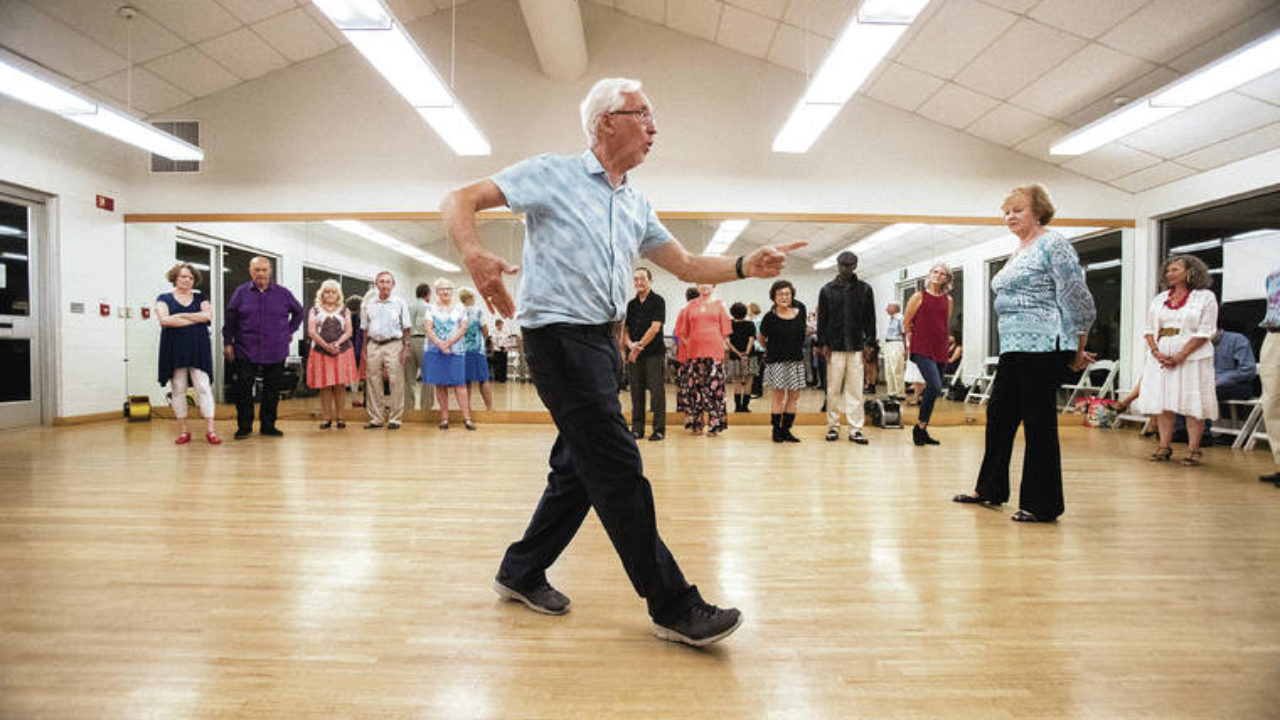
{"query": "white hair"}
(604, 97)
(329, 284)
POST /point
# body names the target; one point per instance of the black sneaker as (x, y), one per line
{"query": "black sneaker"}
(701, 625)
(637, 434)
(271, 432)
(242, 434)
(832, 434)
(543, 598)
(858, 437)
(657, 436)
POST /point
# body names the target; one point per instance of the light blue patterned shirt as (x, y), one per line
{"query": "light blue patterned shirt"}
(580, 239)
(477, 319)
(1042, 301)
(1272, 318)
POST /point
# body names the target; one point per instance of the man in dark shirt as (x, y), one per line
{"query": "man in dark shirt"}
(645, 353)
(846, 327)
(261, 318)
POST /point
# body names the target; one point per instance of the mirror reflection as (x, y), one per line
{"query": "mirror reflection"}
(892, 257)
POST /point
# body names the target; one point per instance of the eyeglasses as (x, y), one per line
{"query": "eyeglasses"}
(644, 116)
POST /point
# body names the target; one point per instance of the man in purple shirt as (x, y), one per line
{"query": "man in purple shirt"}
(261, 318)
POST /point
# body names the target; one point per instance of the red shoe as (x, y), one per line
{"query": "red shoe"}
(183, 439)
(213, 438)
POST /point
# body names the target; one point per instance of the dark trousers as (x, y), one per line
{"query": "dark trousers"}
(932, 385)
(594, 464)
(499, 364)
(1025, 391)
(272, 379)
(646, 374)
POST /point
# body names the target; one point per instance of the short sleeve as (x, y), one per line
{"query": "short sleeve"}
(655, 233)
(523, 183)
(1208, 323)
(1152, 309)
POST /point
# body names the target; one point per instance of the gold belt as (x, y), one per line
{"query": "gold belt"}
(1170, 332)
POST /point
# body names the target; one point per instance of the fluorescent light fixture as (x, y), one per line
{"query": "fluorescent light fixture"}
(1193, 247)
(394, 54)
(452, 124)
(869, 35)
(1231, 71)
(1252, 234)
(36, 91)
(45, 95)
(356, 14)
(1104, 265)
(728, 231)
(871, 242)
(135, 132)
(14, 256)
(355, 227)
(376, 34)
(11, 231)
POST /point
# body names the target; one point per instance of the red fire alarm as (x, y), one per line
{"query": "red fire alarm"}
(146, 312)
(104, 309)
(106, 203)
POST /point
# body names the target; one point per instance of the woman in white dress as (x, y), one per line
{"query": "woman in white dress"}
(1178, 377)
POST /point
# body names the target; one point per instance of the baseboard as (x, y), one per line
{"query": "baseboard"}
(85, 419)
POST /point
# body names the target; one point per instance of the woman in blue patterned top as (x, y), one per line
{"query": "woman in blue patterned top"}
(473, 344)
(1045, 311)
(444, 363)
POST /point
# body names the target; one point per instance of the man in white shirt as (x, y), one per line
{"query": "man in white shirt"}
(894, 356)
(386, 348)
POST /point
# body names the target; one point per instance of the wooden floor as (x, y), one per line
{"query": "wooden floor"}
(346, 575)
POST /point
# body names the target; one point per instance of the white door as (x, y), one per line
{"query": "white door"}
(20, 400)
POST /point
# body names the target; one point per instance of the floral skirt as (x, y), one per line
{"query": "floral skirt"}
(702, 387)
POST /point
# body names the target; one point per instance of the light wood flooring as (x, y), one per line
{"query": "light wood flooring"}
(346, 575)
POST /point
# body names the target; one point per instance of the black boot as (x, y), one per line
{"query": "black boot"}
(776, 420)
(746, 402)
(920, 436)
(787, 420)
(737, 402)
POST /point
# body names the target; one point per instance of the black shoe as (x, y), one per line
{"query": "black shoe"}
(1026, 517)
(975, 500)
(776, 419)
(920, 436)
(637, 434)
(270, 432)
(656, 436)
(543, 598)
(787, 420)
(1273, 478)
(242, 434)
(833, 434)
(393, 425)
(701, 625)
(857, 437)
(326, 424)
(371, 426)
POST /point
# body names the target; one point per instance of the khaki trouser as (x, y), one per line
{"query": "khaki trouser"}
(386, 355)
(844, 388)
(414, 388)
(1269, 372)
(894, 366)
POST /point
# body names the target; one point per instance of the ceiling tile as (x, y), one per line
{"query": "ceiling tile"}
(100, 22)
(1153, 80)
(794, 48)
(1008, 125)
(746, 32)
(1225, 116)
(824, 17)
(654, 11)
(1252, 143)
(1094, 72)
(50, 42)
(1025, 52)
(1017, 6)
(1037, 146)
(1110, 162)
(406, 11)
(1164, 29)
(1228, 41)
(193, 20)
(956, 33)
(244, 53)
(251, 11)
(295, 35)
(1165, 172)
(1087, 18)
(194, 72)
(956, 106)
(769, 8)
(903, 87)
(151, 94)
(700, 18)
(323, 22)
(1266, 88)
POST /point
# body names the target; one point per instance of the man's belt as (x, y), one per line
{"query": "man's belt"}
(376, 341)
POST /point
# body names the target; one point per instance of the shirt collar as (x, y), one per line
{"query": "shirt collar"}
(591, 164)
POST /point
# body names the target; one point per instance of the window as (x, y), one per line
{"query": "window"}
(312, 277)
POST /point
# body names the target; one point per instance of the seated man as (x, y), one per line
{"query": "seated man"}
(1235, 371)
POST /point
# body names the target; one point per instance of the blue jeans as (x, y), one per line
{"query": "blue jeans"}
(932, 384)
(595, 464)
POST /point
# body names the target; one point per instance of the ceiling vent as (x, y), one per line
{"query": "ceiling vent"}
(188, 130)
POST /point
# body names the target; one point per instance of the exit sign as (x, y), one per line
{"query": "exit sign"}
(105, 203)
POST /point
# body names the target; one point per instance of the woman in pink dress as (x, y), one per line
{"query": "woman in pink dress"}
(332, 362)
(702, 327)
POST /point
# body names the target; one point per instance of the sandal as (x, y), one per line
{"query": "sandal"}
(342, 425)
(1192, 459)
(444, 424)
(468, 425)
(1024, 516)
(326, 424)
(975, 500)
(1161, 454)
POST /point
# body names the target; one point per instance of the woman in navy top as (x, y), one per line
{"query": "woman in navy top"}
(186, 355)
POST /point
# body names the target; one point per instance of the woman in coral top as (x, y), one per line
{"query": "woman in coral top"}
(702, 328)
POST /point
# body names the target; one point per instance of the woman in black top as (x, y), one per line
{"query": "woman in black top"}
(782, 334)
(740, 365)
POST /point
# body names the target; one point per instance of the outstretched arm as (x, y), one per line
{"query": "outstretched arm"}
(764, 262)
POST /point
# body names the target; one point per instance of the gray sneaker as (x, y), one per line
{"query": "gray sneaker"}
(701, 625)
(543, 598)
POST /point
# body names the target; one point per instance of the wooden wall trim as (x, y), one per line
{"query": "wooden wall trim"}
(63, 420)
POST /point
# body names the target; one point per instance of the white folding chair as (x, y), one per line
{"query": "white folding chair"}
(1086, 387)
(980, 390)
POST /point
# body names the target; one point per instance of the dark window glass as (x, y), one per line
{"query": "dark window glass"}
(15, 370)
(199, 257)
(15, 287)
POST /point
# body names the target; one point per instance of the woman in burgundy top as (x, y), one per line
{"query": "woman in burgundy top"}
(925, 325)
